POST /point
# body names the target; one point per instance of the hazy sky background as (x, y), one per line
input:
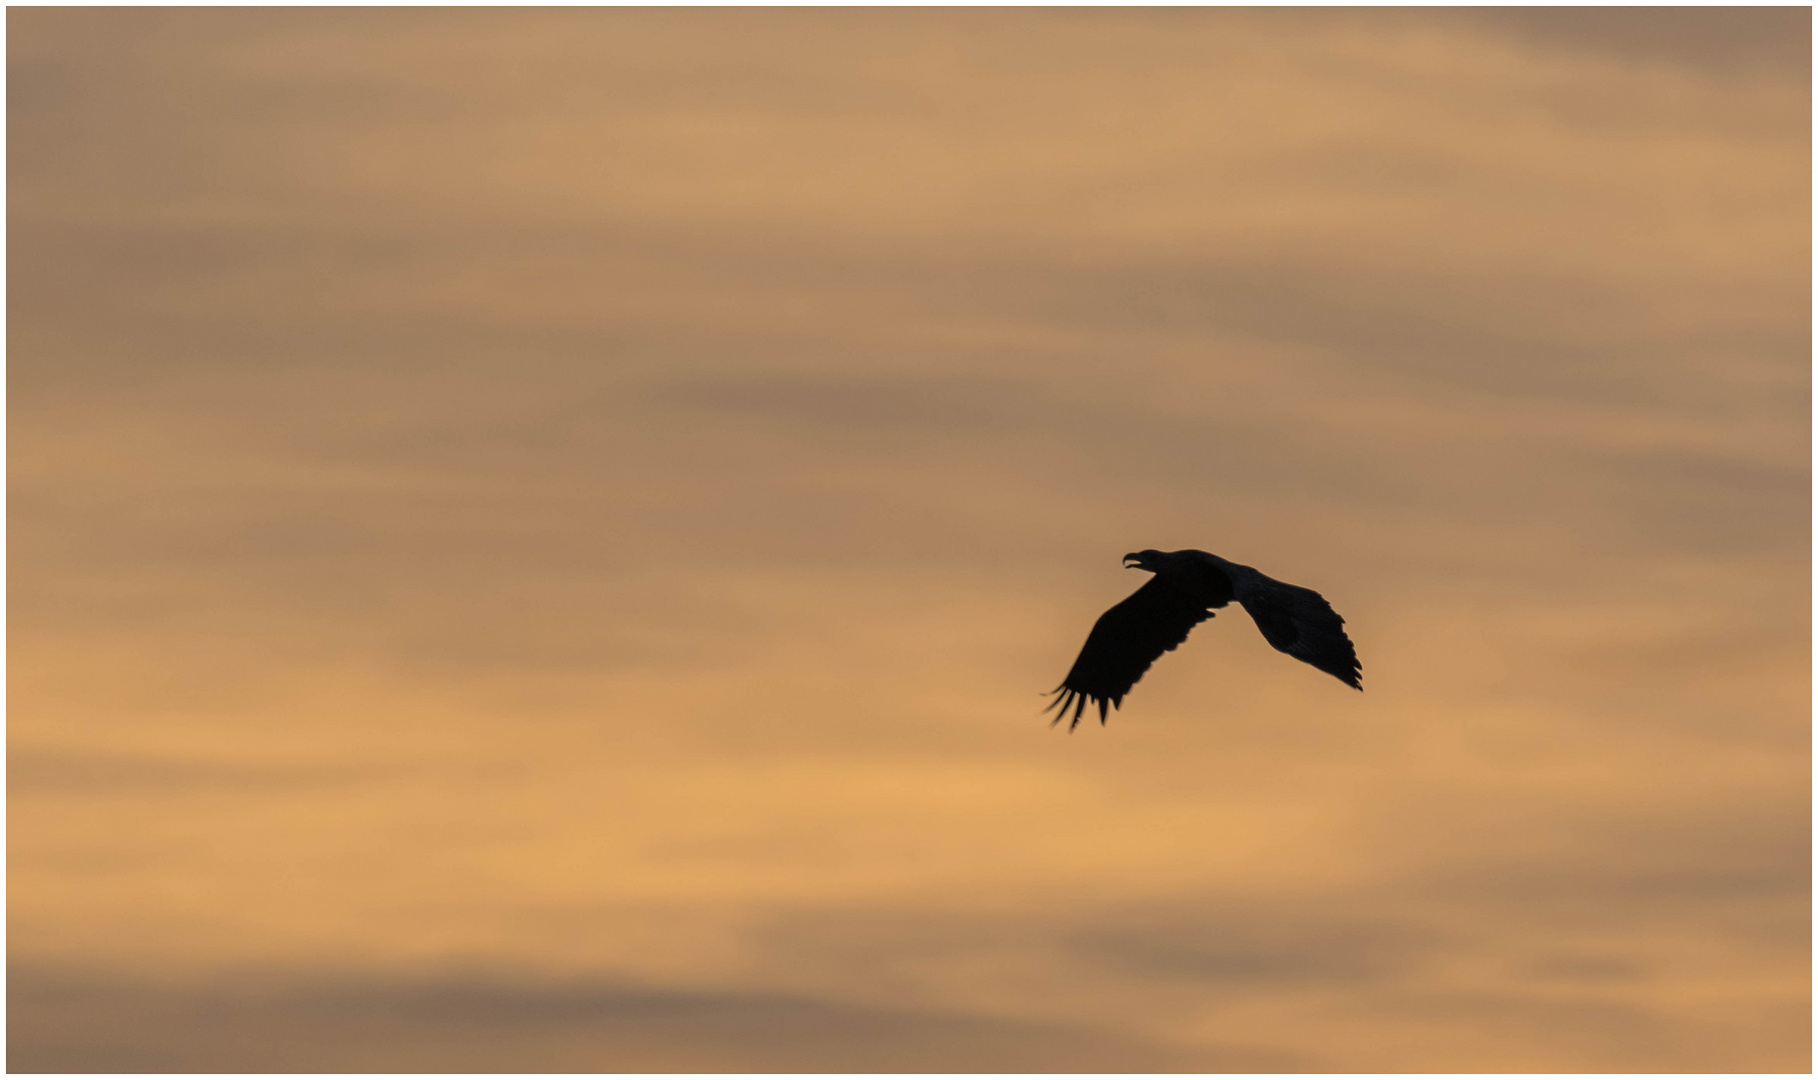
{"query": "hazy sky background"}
(537, 536)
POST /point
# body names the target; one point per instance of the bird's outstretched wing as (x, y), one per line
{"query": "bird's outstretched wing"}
(1300, 623)
(1122, 645)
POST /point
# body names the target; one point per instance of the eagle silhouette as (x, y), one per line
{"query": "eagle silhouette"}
(1157, 617)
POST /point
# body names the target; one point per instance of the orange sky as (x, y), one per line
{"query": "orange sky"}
(537, 536)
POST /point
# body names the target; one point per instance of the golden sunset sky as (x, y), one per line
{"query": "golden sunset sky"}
(537, 538)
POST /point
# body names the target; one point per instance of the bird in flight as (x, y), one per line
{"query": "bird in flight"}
(1157, 617)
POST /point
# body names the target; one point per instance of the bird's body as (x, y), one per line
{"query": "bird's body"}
(1157, 617)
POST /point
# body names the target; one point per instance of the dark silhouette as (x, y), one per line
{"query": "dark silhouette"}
(1157, 617)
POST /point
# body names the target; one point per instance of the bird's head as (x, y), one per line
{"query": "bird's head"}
(1149, 560)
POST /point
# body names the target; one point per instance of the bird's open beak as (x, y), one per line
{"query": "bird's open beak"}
(1133, 561)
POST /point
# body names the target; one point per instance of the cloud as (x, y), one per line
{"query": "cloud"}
(72, 1021)
(32, 771)
(1770, 40)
